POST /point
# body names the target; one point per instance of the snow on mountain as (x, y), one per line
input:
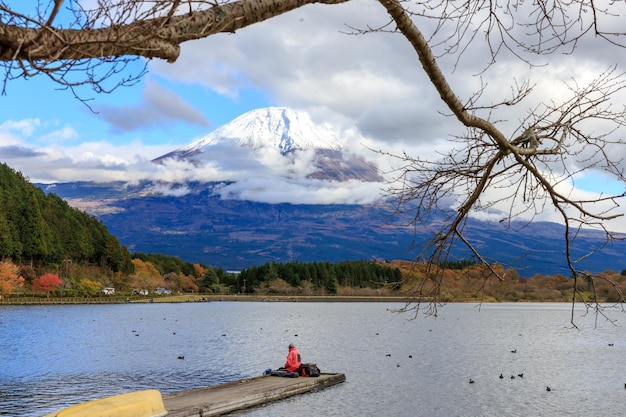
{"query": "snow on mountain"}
(277, 127)
(286, 131)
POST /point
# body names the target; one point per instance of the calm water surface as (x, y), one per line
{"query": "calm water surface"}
(55, 356)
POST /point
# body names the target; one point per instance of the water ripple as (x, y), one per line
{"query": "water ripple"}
(56, 356)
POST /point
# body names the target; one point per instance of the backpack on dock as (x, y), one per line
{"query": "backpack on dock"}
(309, 369)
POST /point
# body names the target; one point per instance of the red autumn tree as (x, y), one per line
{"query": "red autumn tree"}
(47, 282)
(10, 279)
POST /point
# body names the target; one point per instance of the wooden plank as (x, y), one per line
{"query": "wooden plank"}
(238, 395)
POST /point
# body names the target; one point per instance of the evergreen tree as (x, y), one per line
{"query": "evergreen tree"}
(10, 246)
(208, 280)
(33, 229)
(331, 284)
(45, 230)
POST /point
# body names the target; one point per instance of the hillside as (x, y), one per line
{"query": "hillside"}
(234, 234)
(42, 229)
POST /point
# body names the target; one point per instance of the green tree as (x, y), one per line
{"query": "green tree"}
(272, 272)
(10, 246)
(33, 229)
(43, 229)
(209, 280)
(331, 284)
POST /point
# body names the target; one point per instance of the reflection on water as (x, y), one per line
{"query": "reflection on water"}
(55, 356)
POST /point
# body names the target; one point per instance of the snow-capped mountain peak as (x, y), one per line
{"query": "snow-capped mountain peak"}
(284, 130)
(277, 127)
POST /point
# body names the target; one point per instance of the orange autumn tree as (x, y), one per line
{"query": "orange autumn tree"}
(198, 271)
(47, 282)
(10, 279)
(146, 276)
(187, 284)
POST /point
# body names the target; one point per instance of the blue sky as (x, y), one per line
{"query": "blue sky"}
(100, 117)
(369, 87)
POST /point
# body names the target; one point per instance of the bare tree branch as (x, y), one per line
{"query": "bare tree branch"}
(526, 166)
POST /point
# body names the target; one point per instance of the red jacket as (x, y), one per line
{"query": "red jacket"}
(293, 360)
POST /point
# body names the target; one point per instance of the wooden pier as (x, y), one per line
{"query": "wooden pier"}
(202, 402)
(238, 395)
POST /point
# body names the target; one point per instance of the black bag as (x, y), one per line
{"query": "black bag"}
(309, 369)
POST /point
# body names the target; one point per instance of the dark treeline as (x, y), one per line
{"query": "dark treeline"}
(456, 265)
(43, 230)
(319, 277)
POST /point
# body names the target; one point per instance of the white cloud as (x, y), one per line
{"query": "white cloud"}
(158, 107)
(502, 204)
(169, 190)
(309, 59)
(304, 59)
(61, 135)
(302, 191)
(25, 127)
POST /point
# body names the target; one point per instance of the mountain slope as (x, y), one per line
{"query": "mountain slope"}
(286, 131)
(201, 227)
(44, 230)
(277, 127)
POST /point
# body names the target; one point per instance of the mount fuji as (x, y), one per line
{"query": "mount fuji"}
(213, 222)
(276, 127)
(288, 132)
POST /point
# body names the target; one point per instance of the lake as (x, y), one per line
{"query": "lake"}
(55, 356)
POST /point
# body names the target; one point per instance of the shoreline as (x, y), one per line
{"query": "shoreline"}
(195, 298)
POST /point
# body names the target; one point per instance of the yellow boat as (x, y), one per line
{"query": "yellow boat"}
(147, 403)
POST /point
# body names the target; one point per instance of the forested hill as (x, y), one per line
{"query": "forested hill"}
(44, 230)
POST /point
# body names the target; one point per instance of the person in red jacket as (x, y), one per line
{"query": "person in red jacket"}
(293, 359)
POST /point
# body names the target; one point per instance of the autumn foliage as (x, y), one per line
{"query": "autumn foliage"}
(476, 282)
(146, 275)
(47, 282)
(10, 279)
